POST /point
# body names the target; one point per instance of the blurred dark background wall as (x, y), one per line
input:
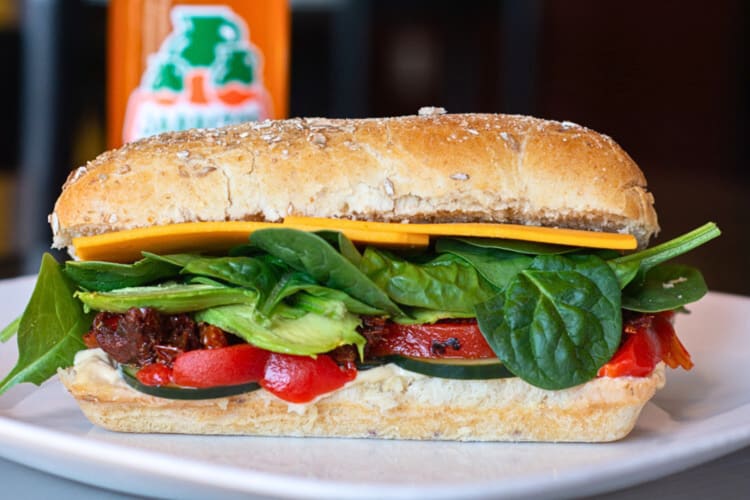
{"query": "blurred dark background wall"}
(668, 80)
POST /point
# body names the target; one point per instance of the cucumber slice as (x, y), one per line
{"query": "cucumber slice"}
(178, 392)
(462, 369)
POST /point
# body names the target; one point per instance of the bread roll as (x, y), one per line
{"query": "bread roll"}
(389, 404)
(433, 167)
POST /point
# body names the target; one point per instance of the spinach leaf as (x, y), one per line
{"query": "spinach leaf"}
(9, 331)
(245, 250)
(557, 322)
(652, 257)
(248, 272)
(518, 246)
(602, 253)
(295, 281)
(105, 276)
(625, 271)
(312, 254)
(419, 316)
(175, 259)
(169, 298)
(51, 328)
(496, 265)
(340, 242)
(445, 283)
(665, 287)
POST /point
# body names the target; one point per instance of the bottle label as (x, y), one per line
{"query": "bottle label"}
(205, 74)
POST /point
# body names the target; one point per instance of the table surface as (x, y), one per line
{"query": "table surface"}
(725, 478)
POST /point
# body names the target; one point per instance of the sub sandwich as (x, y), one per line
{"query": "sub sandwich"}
(437, 276)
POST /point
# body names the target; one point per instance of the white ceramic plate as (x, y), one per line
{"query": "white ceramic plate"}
(699, 416)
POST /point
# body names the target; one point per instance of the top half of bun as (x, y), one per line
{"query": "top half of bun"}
(432, 167)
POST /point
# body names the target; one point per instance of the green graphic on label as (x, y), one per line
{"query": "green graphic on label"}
(168, 76)
(236, 66)
(205, 74)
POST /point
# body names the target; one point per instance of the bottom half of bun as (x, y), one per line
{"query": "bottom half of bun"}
(389, 404)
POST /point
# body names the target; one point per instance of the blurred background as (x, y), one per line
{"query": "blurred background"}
(668, 80)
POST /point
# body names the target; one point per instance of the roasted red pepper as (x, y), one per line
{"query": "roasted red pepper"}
(155, 374)
(649, 339)
(233, 365)
(297, 379)
(300, 379)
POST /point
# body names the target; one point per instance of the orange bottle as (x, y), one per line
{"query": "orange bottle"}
(177, 64)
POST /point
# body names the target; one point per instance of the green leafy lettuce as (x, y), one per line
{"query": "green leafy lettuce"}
(551, 313)
(50, 329)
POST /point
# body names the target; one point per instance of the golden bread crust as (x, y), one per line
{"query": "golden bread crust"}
(433, 167)
(398, 406)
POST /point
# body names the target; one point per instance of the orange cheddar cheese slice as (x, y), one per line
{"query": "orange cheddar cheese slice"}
(558, 236)
(210, 237)
(126, 246)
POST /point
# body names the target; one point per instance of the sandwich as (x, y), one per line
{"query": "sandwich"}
(441, 276)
